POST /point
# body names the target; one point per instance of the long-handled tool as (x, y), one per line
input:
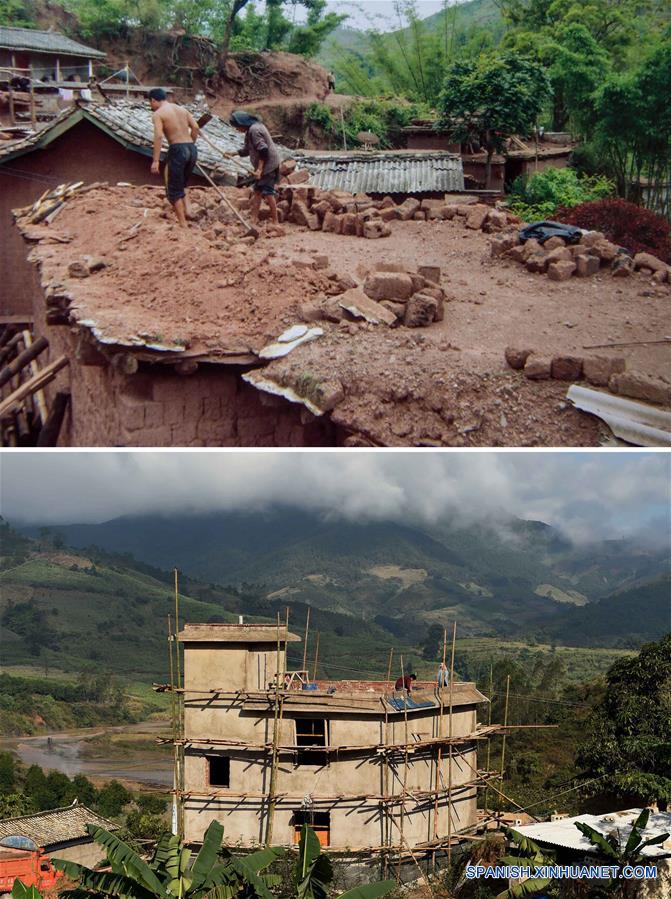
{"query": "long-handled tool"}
(202, 122)
(251, 230)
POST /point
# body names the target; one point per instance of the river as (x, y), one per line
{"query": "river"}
(70, 753)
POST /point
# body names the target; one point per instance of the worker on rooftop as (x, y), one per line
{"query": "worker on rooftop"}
(179, 128)
(263, 155)
(405, 683)
(443, 676)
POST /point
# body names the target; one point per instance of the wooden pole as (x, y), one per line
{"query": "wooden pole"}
(439, 757)
(33, 116)
(174, 699)
(35, 370)
(385, 789)
(505, 724)
(12, 115)
(449, 734)
(24, 358)
(391, 656)
(405, 768)
(272, 800)
(180, 711)
(316, 656)
(305, 645)
(12, 402)
(489, 721)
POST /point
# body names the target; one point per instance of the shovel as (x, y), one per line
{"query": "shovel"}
(202, 121)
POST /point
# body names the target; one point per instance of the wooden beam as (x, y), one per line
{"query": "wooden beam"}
(52, 426)
(23, 359)
(14, 400)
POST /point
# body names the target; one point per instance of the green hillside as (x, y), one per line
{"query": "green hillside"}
(511, 578)
(458, 23)
(628, 618)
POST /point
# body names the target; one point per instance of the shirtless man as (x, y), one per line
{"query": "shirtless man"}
(181, 131)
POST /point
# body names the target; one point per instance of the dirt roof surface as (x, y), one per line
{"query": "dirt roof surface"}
(204, 291)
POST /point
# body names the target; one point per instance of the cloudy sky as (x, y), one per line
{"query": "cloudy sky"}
(588, 495)
(379, 14)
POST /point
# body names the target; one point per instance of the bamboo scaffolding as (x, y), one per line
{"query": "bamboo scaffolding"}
(275, 752)
(390, 799)
(405, 770)
(305, 647)
(440, 734)
(316, 656)
(505, 722)
(180, 713)
(379, 748)
(489, 722)
(449, 734)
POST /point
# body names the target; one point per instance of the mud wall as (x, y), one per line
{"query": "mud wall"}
(158, 407)
(84, 153)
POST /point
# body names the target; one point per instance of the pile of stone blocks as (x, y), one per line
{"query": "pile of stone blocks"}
(593, 254)
(599, 371)
(390, 295)
(359, 215)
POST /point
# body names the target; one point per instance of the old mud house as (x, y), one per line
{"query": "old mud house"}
(372, 770)
(399, 314)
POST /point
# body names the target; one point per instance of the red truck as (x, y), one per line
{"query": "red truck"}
(22, 858)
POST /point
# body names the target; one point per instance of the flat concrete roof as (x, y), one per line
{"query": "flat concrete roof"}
(236, 633)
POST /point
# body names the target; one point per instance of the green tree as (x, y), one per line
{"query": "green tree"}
(630, 730)
(16, 13)
(492, 98)
(432, 643)
(112, 798)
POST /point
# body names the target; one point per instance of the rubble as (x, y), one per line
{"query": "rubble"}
(411, 331)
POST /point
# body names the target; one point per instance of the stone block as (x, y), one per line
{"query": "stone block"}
(332, 223)
(408, 208)
(598, 370)
(591, 238)
(419, 216)
(496, 220)
(647, 260)
(622, 266)
(516, 358)
(500, 245)
(298, 176)
(349, 223)
(389, 213)
(641, 387)
(420, 311)
(561, 271)
(605, 250)
(537, 263)
(538, 368)
(430, 272)
(376, 228)
(388, 286)
(566, 368)
(397, 309)
(476, 216)
(586, 265)
(554, 243)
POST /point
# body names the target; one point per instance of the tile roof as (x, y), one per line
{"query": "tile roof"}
(131, 124)
(565, 834)
(59, 825)
(391, 172)
(45, 42)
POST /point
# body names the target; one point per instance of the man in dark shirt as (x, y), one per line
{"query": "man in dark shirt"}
(264, 157)
(405, 683)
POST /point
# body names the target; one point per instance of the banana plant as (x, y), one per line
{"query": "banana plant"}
(313, 873)
(168, 874)
(528, 854)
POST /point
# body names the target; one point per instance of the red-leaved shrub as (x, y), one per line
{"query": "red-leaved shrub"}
(637, 229)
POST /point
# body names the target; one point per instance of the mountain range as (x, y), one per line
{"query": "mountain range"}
(501, 578)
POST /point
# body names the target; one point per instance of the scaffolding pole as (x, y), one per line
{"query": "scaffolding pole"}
(449, 736)
(275, 753)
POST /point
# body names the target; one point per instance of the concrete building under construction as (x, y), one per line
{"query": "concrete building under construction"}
(370, 768)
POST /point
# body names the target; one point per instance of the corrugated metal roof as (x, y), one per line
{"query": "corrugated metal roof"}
(59, 825)
(45, 42)
(392, 172)
(564, 833)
